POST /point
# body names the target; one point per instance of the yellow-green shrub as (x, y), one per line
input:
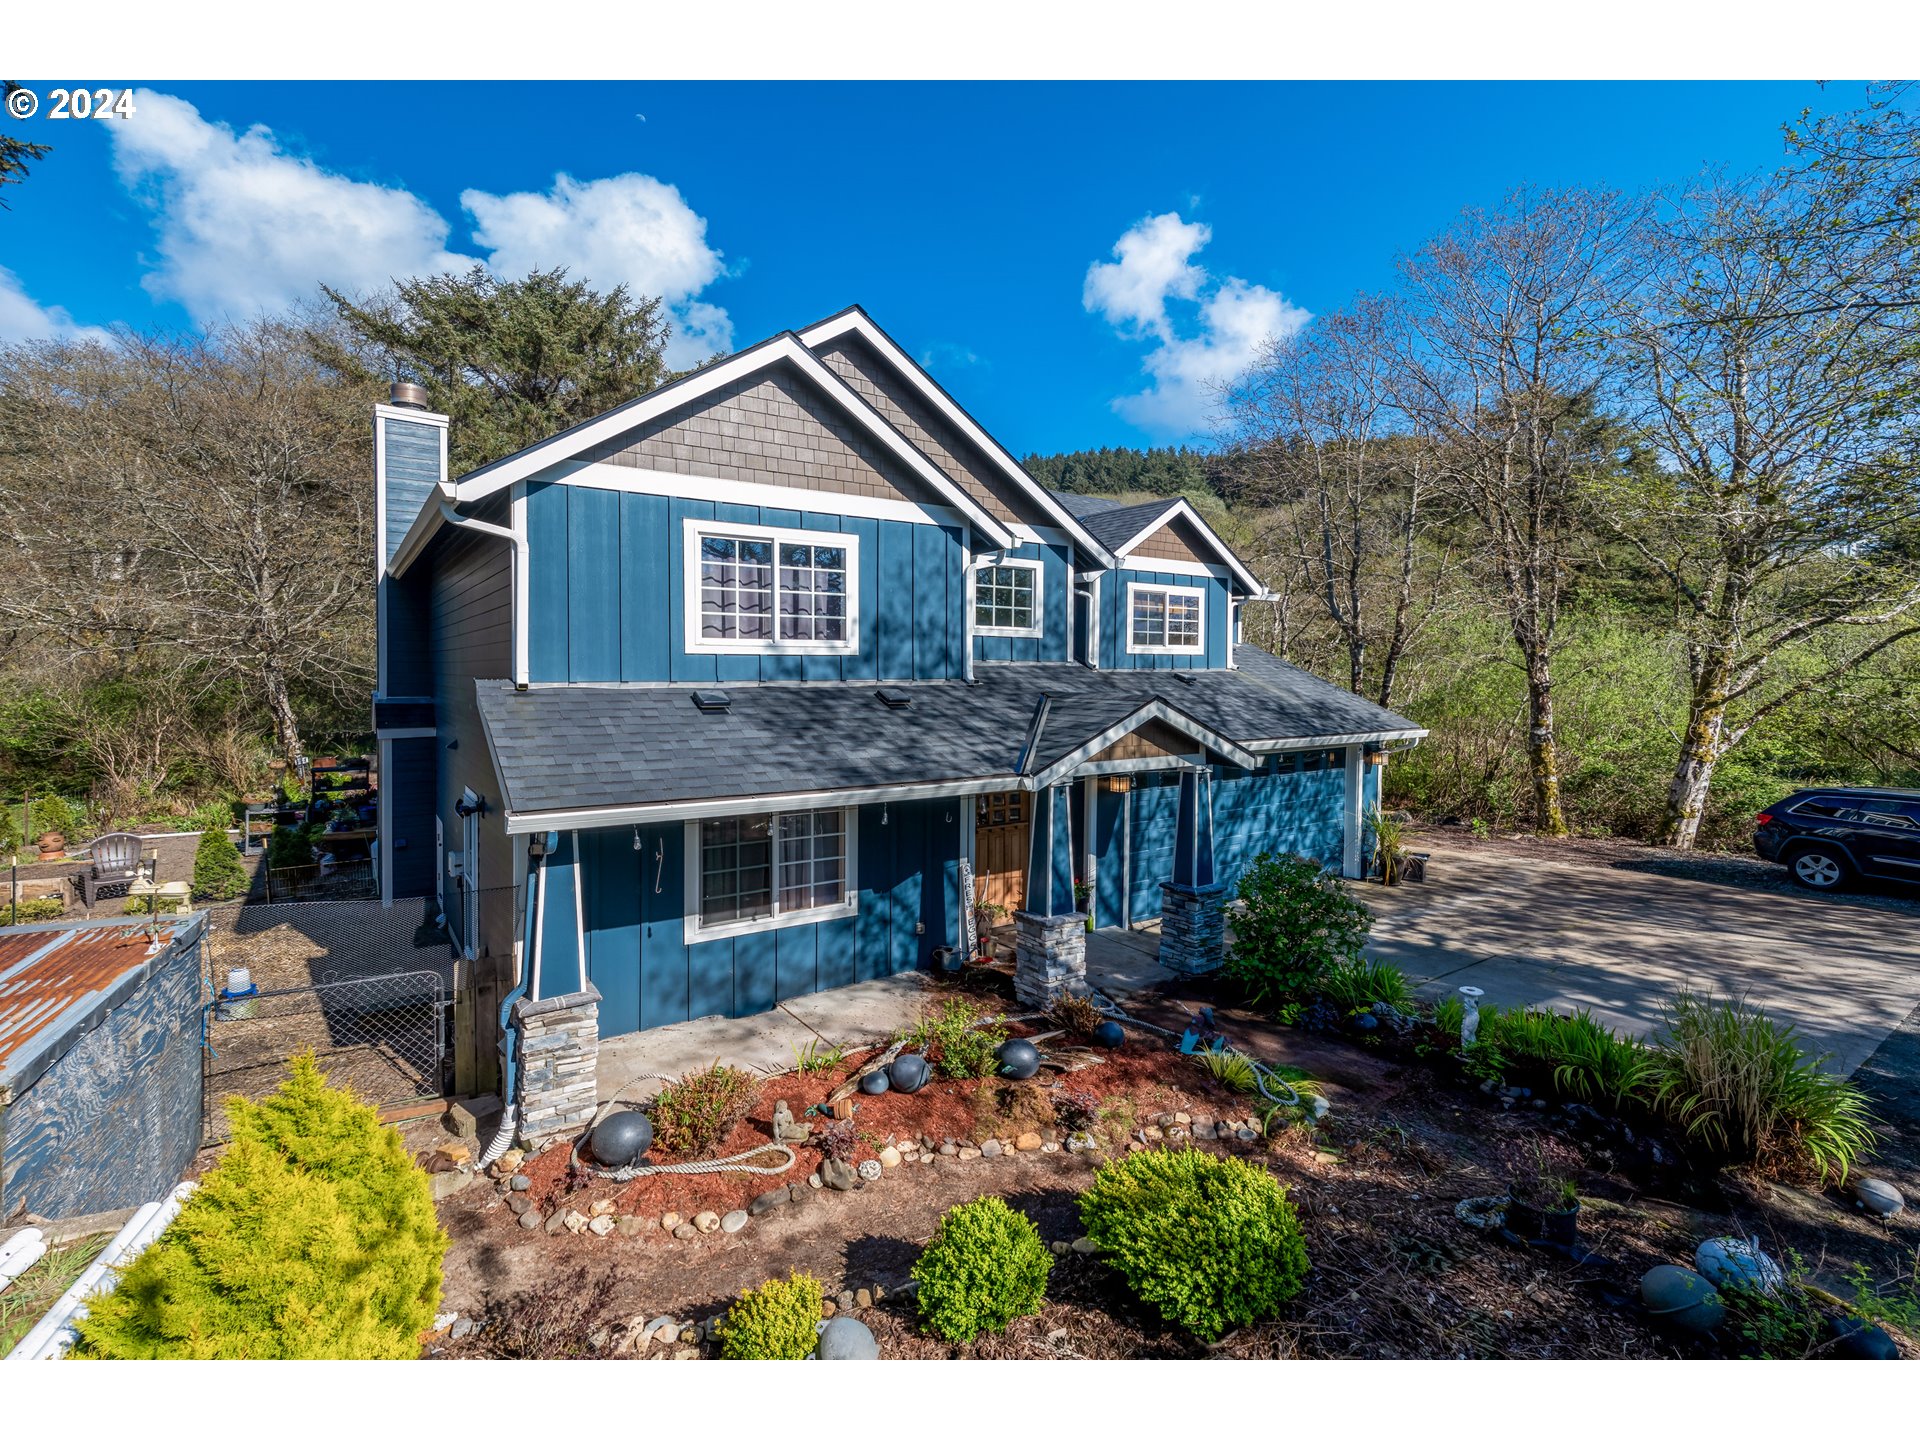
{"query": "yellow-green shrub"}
(773, 1321)
(985, 1266)
(314, 1237)
(1210, 1242)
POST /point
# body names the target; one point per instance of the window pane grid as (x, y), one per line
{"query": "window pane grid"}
(746, 583)
(1166, 619)
(739, 858)
(1003, 598)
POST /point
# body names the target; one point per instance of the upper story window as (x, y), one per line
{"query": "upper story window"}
(749, 872)
(1006, 598)
(756, 589)
(1165, 620)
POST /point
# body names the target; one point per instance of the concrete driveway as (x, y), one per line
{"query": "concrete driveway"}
(1619, 942)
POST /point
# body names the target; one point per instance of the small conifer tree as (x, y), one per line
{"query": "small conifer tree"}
(314, 1237)
(217, 871)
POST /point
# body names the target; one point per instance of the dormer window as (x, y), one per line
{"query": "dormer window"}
(1006, 599)
(757, 590)
(1165, 620)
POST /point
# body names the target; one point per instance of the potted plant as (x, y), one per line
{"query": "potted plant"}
(987, 914)
(1388, 833)
(1542, 1201)
(1083, 897)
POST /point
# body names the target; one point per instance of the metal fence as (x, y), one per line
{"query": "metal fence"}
(363, 985)
(347, 880)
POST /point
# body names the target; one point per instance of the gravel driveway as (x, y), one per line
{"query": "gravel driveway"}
(1618, 933)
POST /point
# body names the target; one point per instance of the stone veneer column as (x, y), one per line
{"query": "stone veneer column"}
(1050, 957)
(1193, 927)
(558, 1055)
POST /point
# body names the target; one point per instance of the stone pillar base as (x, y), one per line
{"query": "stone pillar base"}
(1050, 957)
(1193, 927)
(559, 1050)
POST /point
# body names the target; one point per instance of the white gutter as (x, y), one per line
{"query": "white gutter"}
(20, 1252)
(57, 1330)
(521, 558)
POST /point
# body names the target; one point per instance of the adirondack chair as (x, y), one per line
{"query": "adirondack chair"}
(116, 865)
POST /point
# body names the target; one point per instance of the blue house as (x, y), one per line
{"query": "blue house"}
(755, 685)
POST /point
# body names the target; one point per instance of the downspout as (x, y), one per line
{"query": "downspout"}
(521, 558)
(509, 1038)
(967, 589)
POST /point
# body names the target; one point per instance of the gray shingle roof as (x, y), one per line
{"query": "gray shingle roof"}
(1081, 506)
(1113, 528)
(586, 747)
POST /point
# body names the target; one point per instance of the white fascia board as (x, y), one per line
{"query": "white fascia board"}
(532, 822)
(784, 348)
(424, 527)
(671, 484)
(1183, 508)
(857, 321)
(1064, 767)
(1326, 742)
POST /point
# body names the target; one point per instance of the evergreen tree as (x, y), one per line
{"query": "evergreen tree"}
(510, 361)
(217, 871)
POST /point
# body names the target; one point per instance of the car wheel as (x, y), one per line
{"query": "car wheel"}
(1819, 868)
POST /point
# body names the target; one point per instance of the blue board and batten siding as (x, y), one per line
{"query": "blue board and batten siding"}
(638, 951)
(1056, 589)
(1114, 621)
(607, 592)
(413, 469)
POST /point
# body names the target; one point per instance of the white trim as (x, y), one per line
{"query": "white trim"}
(417, 732)
(1151, 711)
(787, 347)
(1039, 534)
(692, 531)
(1183, 509)
(1012, 632)
(966, 614)
(1146, 564)
(697, 931)
(1328, 742)
(580, 911)
(531, 822)
(522, 582)
(539, 933)
(1351, 804)
(629, 480)
(1134, 586)
(857, 321)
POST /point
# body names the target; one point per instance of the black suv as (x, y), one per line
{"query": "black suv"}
(1827, 837)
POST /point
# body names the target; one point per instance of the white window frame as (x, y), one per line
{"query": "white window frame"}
(1013, 632)
(695, 531)
(1136, 587)
(698, 930)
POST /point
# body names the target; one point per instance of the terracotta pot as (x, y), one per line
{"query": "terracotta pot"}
(52, 845)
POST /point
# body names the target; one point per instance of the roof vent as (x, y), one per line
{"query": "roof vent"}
(713, 702)
(894, 699)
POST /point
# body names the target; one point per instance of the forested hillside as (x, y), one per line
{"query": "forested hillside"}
(1110, 471)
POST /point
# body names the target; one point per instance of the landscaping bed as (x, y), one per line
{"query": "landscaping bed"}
(1395, 1273)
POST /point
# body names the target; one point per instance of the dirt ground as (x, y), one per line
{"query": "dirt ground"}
(1395, 1273)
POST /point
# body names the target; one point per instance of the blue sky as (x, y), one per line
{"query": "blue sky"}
(968, 219)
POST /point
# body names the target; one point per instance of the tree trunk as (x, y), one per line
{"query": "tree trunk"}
(1701, 747)
(1543, 755)
(286, 728)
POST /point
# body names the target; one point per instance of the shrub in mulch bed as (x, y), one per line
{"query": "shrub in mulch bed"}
(986, 1266)
(695, 1113)
(773, 1321)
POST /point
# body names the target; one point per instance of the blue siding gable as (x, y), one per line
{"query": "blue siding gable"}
(1056, 590)
(1114, 622)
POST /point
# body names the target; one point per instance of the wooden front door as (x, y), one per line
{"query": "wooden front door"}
(1000, 829)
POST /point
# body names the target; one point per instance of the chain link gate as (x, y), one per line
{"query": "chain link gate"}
(379, 1030)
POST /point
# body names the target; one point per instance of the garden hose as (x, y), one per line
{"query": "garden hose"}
(1262, 1073)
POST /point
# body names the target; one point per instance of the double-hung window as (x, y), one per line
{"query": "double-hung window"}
(1165, 620)
(758, 590)
(753, 871)
(1006, 598)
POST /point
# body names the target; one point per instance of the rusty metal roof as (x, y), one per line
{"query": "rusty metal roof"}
(53, 979)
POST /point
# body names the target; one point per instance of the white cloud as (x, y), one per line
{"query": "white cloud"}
(245, 226)
(24, 318)
(1215, 334)
(630, 230)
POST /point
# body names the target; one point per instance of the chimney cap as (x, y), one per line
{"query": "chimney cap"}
(407, 395)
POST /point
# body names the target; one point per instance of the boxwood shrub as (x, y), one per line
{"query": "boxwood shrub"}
(1210, 1242)
(986, 1266)
(774, 1321)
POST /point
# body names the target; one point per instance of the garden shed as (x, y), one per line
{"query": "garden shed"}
(100, 1070)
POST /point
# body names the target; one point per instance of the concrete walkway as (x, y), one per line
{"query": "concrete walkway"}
(1620, 941)
(854, 1016)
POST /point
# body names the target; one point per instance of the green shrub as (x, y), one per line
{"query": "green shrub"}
(210, 815)
(1361, 984)
(50, 812)
(26, 912)
(313, 1237)
(1734, 1079)
(1210, 1242)
(1298, 922)
(11, 840)
(153, 905)
(217, 871)
(289, 846)
(773, 1322)
(986, 1266)
(699, 1110)
(957, 1045)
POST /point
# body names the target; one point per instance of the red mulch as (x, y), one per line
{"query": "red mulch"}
(1152, 1077)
